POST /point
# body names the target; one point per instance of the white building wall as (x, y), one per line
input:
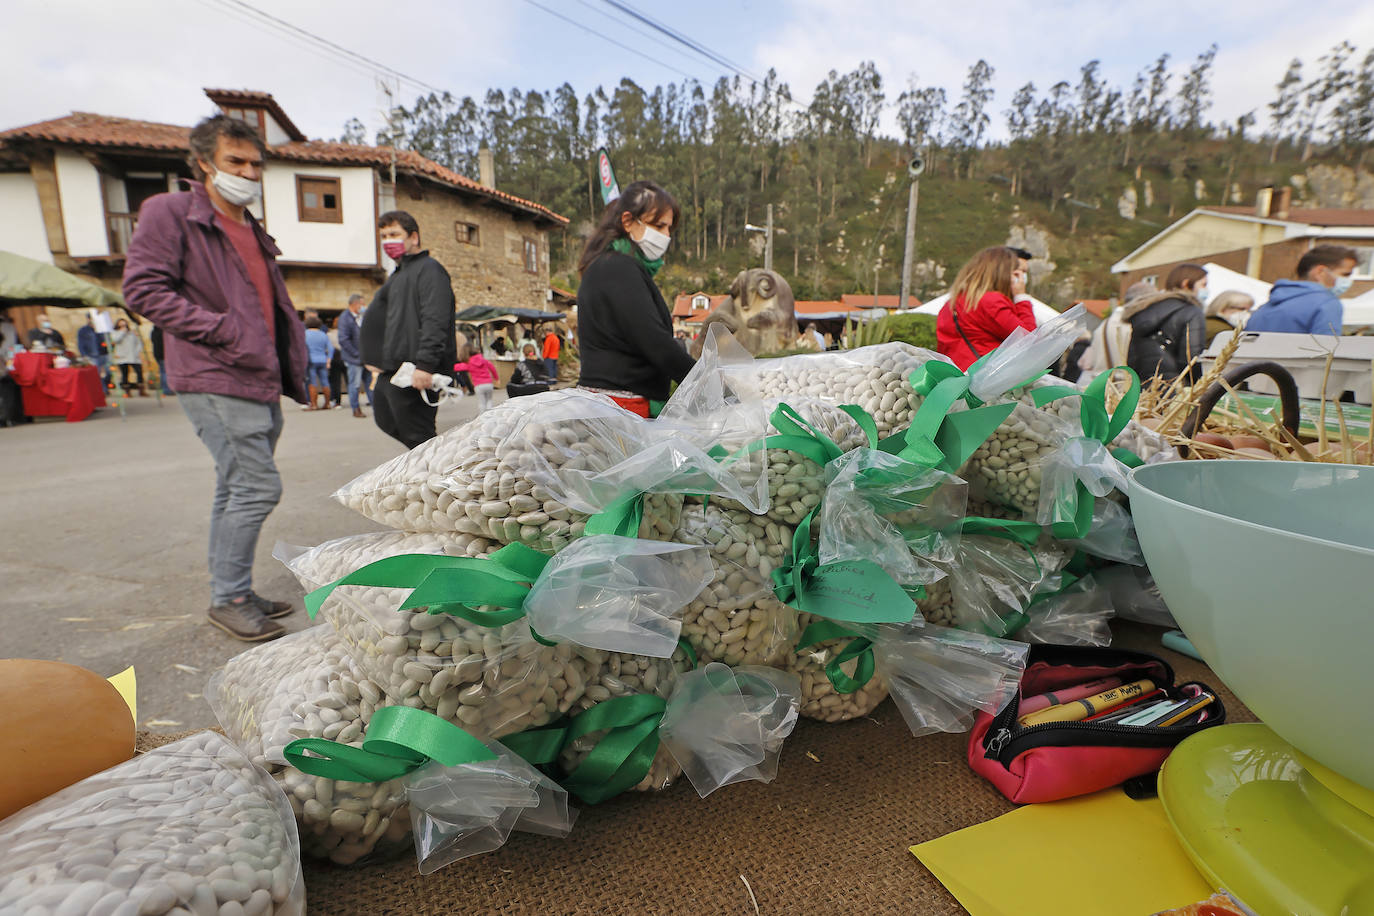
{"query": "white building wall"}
(351, 242)
(275, 135)
(83, 209)
(21, 218)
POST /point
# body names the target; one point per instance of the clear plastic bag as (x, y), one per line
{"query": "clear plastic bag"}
(939, 678)
(820, 699)
(1111, 536)
(903, 517)
(726, 725)
(1007, 468)
(993, 580)
(1025, 354)
(737, 619)
(1078, 615)
(619, 594)
(1076, 460)
(625, 675)
(492, 681)
(305, 686)
(1135, 596)
(1145, 442)
(191, 826)
(465, 810)
(487, 479)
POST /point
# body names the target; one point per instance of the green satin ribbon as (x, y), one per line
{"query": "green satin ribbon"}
(858, 591)
(936, 437)
(1100, 424)
(858, 647)
(399, 739)
(621, 758)
(621, 518)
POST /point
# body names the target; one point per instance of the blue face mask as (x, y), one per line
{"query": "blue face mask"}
(1203, 295)
(1342, 285)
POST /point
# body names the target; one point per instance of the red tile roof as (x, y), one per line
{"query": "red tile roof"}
(86, 129)
(1315, 216)
(1096, 307)
(245, 98)
(865, 301)
(806, 307)
(682, 305)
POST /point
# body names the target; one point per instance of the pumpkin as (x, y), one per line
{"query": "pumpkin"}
(61, 723)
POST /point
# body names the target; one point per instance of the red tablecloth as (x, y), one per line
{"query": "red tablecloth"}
(51, 392)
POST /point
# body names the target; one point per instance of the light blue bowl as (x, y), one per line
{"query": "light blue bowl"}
(1269, 568)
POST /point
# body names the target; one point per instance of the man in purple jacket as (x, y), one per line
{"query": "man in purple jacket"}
(202, 269)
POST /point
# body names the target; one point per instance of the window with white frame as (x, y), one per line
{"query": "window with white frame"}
(699, 303)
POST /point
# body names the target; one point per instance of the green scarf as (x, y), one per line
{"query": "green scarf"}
(630, 249)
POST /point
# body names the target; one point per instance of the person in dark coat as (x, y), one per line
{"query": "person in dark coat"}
(1168, 329)
(624, 325)
(531, 376)
(410, 320)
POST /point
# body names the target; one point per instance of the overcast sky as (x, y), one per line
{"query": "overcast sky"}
(149, 59)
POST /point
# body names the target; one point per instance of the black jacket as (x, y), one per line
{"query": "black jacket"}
(530, 372)
(625, 330)
(1165, 335)
(411, 319)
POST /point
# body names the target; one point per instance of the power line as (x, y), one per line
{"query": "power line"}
(682, 39)
(591, 31)
(641, 32)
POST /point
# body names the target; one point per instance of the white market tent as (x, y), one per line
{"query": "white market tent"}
(1223, 279)
(1043, 312)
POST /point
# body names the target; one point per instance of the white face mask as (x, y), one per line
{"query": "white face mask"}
(1342, 285)
(236, 190)
(654, 244)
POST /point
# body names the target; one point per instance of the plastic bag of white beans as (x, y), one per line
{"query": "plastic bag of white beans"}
(820, 698)
(305, 686)
(188, 828)
(1078, 615)
(737, 619)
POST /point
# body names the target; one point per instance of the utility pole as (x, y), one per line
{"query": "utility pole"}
(914, 168)
(768, 245)
(768, 238)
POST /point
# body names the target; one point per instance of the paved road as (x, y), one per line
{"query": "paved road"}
(103, 528)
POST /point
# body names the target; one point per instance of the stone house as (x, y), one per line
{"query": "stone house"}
(1265, 241)
(71, 188)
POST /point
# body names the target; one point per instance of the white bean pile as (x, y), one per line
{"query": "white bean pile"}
(795, 482)
(1142, 440)
(819, 698)
(937, 606)
(483, 479)
(736, 619)
(490, 681)
(875, 378)
(304, 686)
(625, 675)
(189, 828)
(1006, 469)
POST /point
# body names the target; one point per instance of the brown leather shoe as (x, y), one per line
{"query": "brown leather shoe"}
(358, 412)
(241, 619)
(269, 607)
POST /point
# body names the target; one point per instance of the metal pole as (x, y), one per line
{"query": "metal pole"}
(768, 245)
(910, 243)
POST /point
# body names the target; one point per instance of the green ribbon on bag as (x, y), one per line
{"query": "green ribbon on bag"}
(621, 518)
(938, 438)
(858, 591)
(399, 740)
(1097, 423)
(621, 758)
(858, 647)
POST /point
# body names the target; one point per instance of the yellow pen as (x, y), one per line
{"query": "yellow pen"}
(1077, 710)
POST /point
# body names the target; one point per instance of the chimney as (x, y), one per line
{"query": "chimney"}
(1283, 199)
(1263, 201)
(486, 168)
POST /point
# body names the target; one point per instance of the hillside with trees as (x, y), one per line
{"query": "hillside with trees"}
(1082, 172)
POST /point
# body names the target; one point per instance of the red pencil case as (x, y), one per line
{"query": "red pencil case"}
(1055, 760)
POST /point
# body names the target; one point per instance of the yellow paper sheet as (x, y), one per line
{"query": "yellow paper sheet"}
(1104, 853)
(127, 685)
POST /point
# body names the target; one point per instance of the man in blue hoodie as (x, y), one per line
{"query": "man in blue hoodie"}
(1311, 304)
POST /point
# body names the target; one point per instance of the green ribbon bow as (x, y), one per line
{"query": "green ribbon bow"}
(621, 518)
(936, 437)
(502, 580)
(858, 647)
(621, 758)
(399, 739)
(859, 591)
(1100, 424)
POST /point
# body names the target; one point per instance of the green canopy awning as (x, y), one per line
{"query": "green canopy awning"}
(24, 281)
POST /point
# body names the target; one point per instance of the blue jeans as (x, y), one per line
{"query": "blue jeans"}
(102, 365)
(355, 381)
(551, 366)
(162, 379)
(318, 375)
(241, 436)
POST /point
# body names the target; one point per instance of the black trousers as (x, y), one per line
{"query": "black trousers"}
(125, 369)
(402, 413)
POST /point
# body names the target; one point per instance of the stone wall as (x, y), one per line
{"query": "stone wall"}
(491, 272)
(328, 289)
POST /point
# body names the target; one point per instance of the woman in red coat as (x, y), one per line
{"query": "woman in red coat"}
(987, 302)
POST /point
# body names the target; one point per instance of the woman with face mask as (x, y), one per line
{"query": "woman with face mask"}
(126, 347)
(1226, 312)
(1168, 329)
(624, 325)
